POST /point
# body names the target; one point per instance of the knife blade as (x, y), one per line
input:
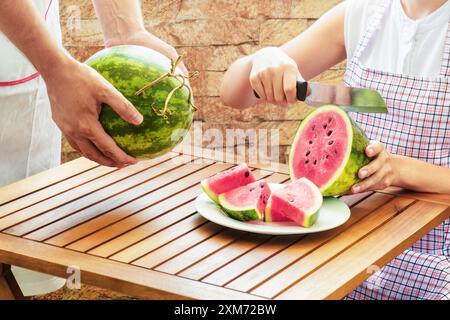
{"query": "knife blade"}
(348, 98)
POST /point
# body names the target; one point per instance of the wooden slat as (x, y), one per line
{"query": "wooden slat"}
(169, 249)
(220, 258)
(44, 179)
(207, 247)
(146, 230)
(54, 190)
(112, 275)
(327, 251)
(167, 227)
(104, 227)
(282, 260)
(199, 252)
(429, 197)
(250, 259)
(161, 192)
(341, 275)
(108, 226)
(178, 245)
(223, 156)
(351, 200)
(84, 195)
(133, 200)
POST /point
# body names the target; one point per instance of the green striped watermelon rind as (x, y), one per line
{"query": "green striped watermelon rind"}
(237, 213)
(356, 158)
(128, 69)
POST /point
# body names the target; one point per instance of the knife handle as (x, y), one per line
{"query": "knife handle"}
(302, 91)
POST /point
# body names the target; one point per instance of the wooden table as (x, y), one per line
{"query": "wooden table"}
(136, 231)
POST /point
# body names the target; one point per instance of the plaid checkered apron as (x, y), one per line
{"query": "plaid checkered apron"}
(417, 125)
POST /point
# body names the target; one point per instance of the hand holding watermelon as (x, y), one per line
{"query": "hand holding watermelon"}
(76, 93)
(380, 173)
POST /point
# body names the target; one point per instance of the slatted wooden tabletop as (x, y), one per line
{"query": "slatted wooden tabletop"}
(136, 230)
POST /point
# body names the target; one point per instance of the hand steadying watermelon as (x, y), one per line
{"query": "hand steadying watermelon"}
(157, 88)
(329, 149)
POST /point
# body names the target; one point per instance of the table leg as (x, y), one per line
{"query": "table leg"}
(9, 288)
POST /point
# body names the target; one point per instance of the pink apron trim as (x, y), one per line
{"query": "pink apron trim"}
(30, 77)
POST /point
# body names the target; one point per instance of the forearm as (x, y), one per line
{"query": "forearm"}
(119, 19)
(421, 176)
(23, 26)
(236, 90)
(311, 52)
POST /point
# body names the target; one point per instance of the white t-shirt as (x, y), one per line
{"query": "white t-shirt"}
(401, 45)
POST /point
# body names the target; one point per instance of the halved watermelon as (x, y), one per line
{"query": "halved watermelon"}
(227, 180)
(299, 202)
(328, 149)
(246, 203)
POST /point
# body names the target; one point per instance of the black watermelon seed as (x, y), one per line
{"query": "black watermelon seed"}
(329, 119)
(325, 125)
(330, 133)
(252, 189)
(262, 185)
(308, 153)
(315, 162)
(331, 142)
(307, 161)
(310, 141)
(327, 156)
(247, 174)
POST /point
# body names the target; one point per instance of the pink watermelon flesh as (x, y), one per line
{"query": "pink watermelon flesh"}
(321, 148)
(298, 202)
(247, 202)
(227, 180)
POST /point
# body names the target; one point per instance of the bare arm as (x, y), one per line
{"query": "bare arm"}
(75, 90)
(122, 23)
(271, 74)
(422, 176)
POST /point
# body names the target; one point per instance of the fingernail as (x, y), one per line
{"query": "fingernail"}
(356, 189)
(363, 173)
(369, 151)
(137, 118)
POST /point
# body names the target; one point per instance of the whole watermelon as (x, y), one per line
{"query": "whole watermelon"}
(129, 69)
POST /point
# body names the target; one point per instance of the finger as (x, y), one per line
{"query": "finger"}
(290, 86)
(121, 106)
(108, 147)
(369, 183)
(278, 90)
(374, 148)
(258, 86)
(88, 150)
(266, 79)
(372, 167)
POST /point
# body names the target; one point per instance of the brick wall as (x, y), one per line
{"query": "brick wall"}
(212, 34)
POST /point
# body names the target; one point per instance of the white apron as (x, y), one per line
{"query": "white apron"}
(30, 142)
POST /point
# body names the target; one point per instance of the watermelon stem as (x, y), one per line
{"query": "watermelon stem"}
(181, 78)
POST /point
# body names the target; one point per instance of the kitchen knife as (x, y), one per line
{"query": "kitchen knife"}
(349, 99)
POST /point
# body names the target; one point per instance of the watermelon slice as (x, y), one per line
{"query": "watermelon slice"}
(227, 180)
(299, 202)
(246, 203)
(328, 149)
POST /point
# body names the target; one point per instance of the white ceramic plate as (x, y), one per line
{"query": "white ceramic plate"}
(332, 214)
